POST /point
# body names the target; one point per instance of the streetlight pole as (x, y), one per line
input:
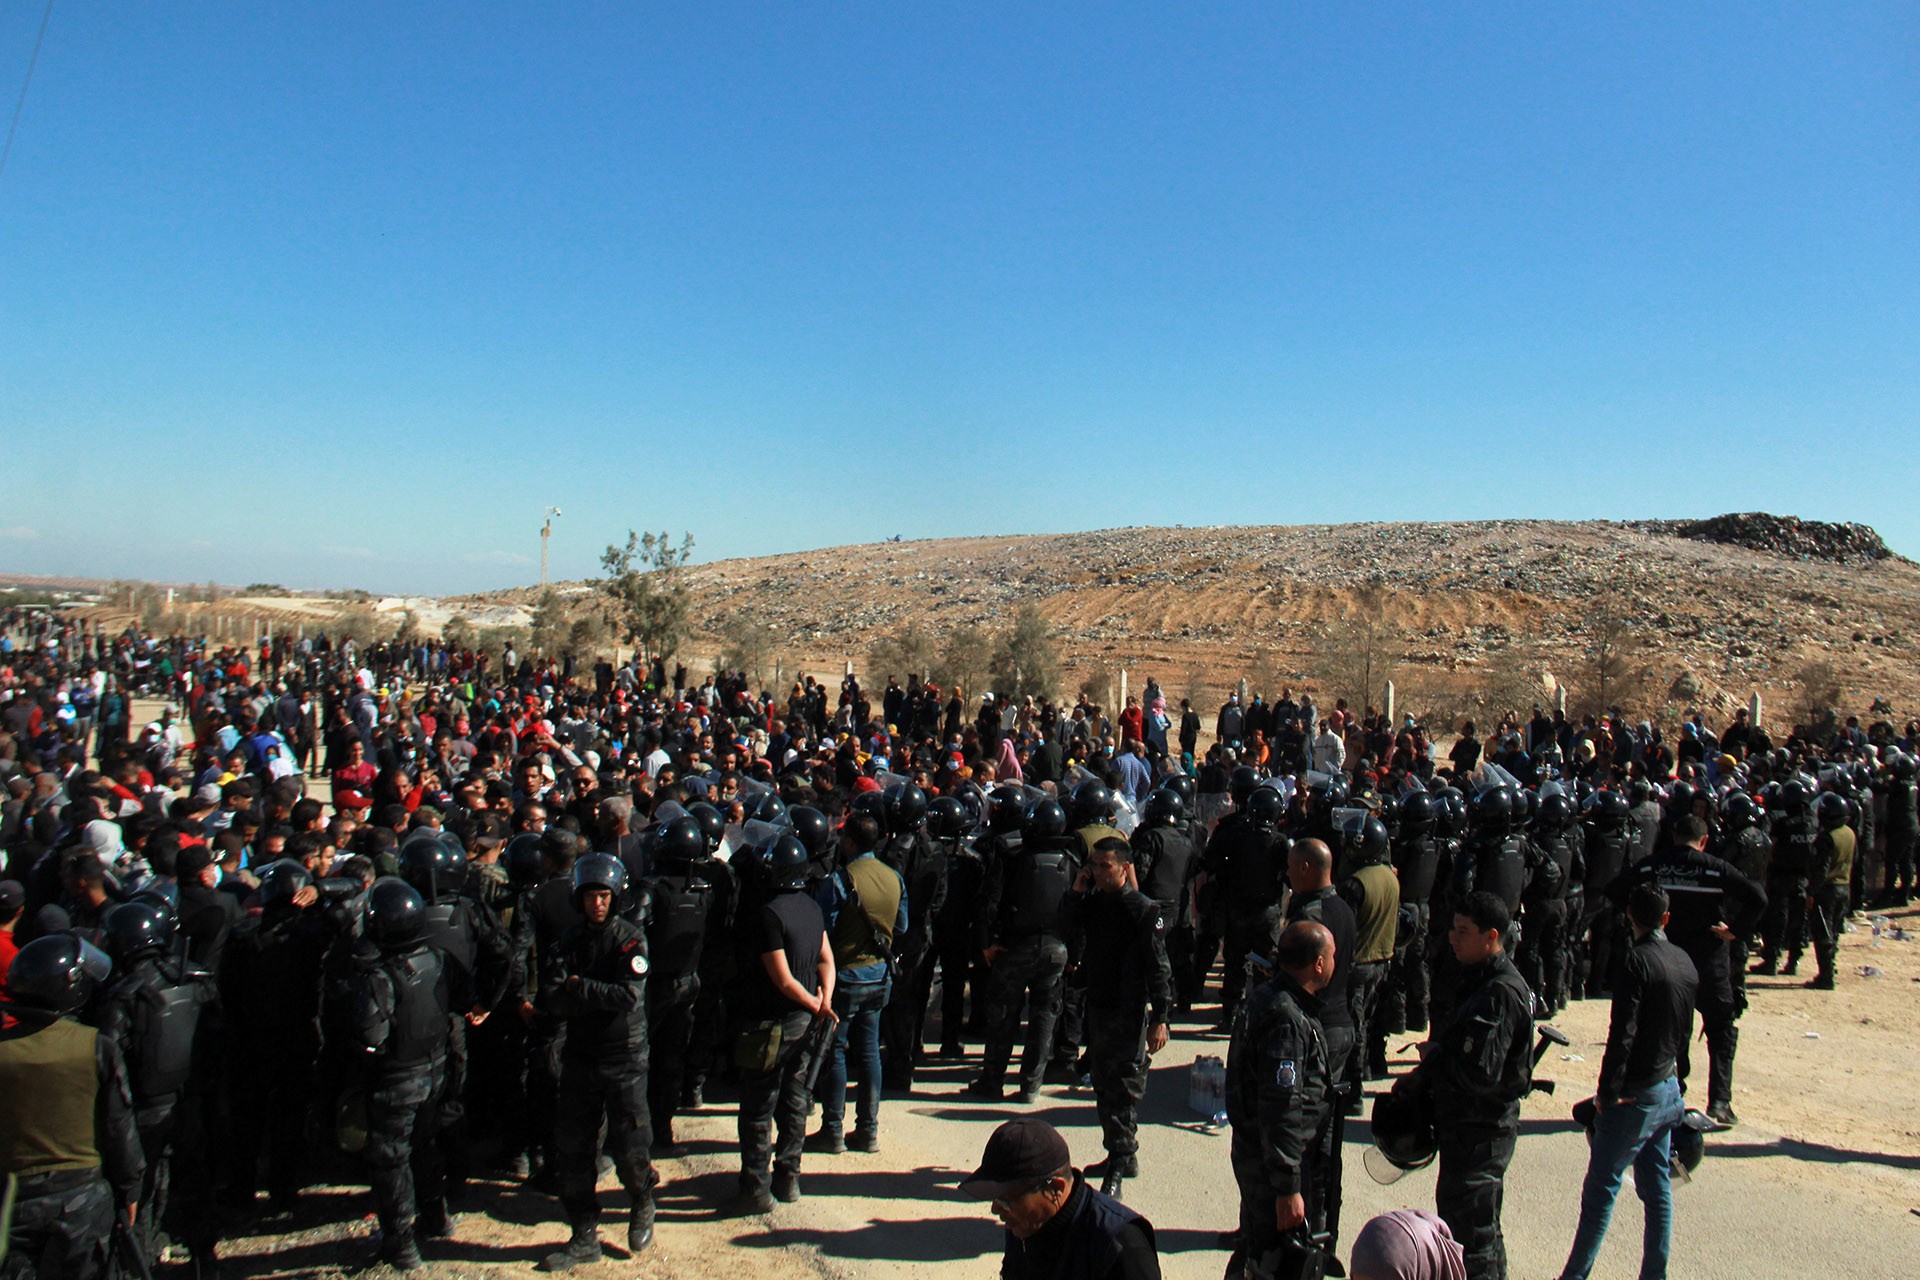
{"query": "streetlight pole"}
(546, 535)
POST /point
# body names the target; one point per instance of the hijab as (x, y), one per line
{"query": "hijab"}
(1407, 1244)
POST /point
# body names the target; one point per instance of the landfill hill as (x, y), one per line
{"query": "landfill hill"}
(1464, 617)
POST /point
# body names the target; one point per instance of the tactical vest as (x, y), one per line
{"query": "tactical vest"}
(1501, 869)
(1173, 859)
(1034, 886)
(1793, 844)
(1606, 858)
(48, 1083)
(1417, 860)
(449, 930)
(681, 906)
(418, 1032)
(166, 1020)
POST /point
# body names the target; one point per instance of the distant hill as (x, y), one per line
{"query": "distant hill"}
(1465, 618)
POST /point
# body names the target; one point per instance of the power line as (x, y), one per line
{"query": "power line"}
(21, 105)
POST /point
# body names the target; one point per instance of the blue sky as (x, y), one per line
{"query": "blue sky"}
(347, 295)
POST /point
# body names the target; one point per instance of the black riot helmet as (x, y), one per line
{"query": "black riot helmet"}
(164, 894)
(810, 827)
(1265, 807)
(1610, 810)
(1794, 796)
(1739, 811)
(1493, 812)
(1903, 768)
(679, 844)
(279, 881)
(57, 973)
(433, 866)
(1364, 842)
(1091, 802)
(599, 871)
(1403, 1138)
(767, 807)
(787, 864)
(906, 808)
(521, 858)
(396, 916)
(1181, 784)
(871, 803)
(1164, 808)
(713, 826)
(946, 818)
(137, 930)
(1008, 808)
(1831, 811)
(1241, 782)
(1417, 813)
(1329, 793)
(1452, 817)
(1046, 821)
(1557, 812)
(1527, 803)
(1680, 797)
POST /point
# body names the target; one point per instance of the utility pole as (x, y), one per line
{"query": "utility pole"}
(546, 535)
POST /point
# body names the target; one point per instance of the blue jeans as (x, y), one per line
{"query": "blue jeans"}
(859, 1005)
(1637, 1131)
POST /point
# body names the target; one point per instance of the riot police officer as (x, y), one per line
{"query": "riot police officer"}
(1247, 862)
(270, 990)
(1711, 904)
(1023, 949)
(1310, 873)
(1371, 889)
(923, 866)
(153, 1013)
(1794, 832)
(401, 1014)
(1903, 830)
(683, 911)
(1128, 995)
(67, 1135)
(1544, 944)
(1278, 1093)
(1416, 863)
(1834, 852)
(1745, 845)
(1607, 848)
(953, 926)
(596, 979)
(544, 915)
(1169, 863)
(479, 958)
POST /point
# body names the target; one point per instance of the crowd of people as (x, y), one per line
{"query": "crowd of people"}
(544, 910)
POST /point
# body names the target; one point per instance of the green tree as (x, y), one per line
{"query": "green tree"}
(459, 632)
(911, 651)
(644, 592)
(746, 644)
(1026, 657)
(966, 655)
(552, 628)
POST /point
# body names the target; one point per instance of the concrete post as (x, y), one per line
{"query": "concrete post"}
(1753, 710)
(1387, 702)
(1560, 697)
(1123, 686)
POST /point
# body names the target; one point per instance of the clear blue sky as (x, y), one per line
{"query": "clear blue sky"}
(347, 294)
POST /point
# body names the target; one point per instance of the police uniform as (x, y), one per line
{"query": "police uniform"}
(1903, 831)
(400, 1010)
(1834, 854)
(480, 962)
(1545, 938)
(1248, 865)
(1373, 893)
(67, 1133)
(923, 867)
(596, 980)
(1602, 930)
(1326, 907)
(1403, 999)
(1128, 992)
(154, 1014)
(1279, 1093)
(1478, 1067)
(1703, 891)
(1784, 927)
(1169, 861)
(544, 916)
(684, 906)
(1019, 913)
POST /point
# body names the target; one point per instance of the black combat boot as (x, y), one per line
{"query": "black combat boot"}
(581, 1250)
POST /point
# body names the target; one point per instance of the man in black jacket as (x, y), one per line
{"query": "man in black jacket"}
(1129, 995)
(1478, 1067)
(1056, 1224)
(1639, 1100)
(1279, 1090)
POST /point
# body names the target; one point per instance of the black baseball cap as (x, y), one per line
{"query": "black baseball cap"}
(1020, 1155)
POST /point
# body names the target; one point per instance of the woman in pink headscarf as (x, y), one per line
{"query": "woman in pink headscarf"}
(1007, 768)
(1407, 1245)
